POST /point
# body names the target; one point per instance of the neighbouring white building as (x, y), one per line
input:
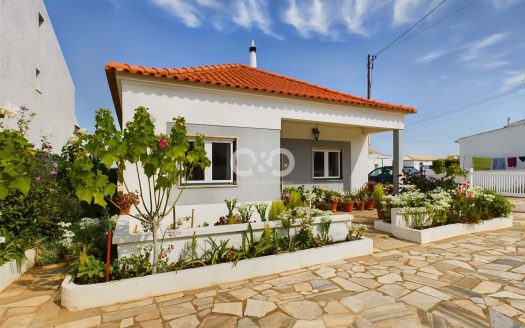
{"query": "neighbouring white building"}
(419, 162)
(503, 148)
(377, 159)
(33, 72)
(263, 131)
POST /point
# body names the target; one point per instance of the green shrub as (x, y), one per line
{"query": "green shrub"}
(295, 200)
(276, 208)
(379, 194)
(500, 206)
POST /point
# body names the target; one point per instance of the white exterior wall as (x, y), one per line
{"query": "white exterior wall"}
(222, 107)
(506, 142)
(25, 47)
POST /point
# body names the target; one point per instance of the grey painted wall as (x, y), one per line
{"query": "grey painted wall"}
(302, 172)
(25, 47)
(262, 184)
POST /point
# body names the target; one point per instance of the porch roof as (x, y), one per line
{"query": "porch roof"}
(244, 77)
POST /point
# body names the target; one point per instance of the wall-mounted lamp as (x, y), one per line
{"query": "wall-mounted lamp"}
(316, 133)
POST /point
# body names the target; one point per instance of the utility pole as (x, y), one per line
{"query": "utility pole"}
(370, 67)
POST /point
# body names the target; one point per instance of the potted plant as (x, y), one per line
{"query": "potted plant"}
(369, 202)
(360, 197)
(348, 201)
(379, 194)
(335, 199)
(124, 201)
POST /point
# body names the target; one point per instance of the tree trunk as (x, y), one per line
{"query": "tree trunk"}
(155, 248)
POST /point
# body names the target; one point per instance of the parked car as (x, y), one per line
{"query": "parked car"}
(385, 174)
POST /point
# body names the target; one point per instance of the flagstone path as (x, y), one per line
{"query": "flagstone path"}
(472, 281)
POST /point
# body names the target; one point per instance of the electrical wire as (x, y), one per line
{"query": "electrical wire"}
(457, 11)
(411, 28)
(452, 113)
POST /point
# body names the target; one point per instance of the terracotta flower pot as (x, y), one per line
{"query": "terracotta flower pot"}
(380, 214)
(348, 207)
(369, 205)
(361, 206)
(334, 206)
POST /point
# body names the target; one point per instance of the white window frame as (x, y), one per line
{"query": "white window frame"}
(208, 171)
(326, 151)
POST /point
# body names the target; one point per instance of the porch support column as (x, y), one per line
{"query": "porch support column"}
(397, 161)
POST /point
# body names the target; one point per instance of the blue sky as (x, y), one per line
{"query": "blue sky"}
(464, 73)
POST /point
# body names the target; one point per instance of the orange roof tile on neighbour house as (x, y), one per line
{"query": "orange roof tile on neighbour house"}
(244, 77)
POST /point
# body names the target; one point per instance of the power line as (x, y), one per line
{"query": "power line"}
(457, 11)
(410, 29)
(371, 58)
(454, 112)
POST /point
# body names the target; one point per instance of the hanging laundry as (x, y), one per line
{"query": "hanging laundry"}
(522, 158)
(512, 161)
(498, 163)
(481, 163)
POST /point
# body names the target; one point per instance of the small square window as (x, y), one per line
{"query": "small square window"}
(327, 164)
(220, 153)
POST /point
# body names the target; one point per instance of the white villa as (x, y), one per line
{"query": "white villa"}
(263, 131)
(34, 71)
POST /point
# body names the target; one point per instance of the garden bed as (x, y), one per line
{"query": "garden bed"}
(429, 235)
(128, 242)
(78, 297)
(10, 271)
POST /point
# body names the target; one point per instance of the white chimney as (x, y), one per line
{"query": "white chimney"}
(253, 55)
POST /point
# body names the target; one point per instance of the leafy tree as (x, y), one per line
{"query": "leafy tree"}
(16, 153)
(159, 160)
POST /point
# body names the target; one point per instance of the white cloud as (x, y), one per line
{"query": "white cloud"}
(308, 17)
(503, 4)
(220, 14)
(513, 80)
(253, 13)
(496, 64)
(181, 9)
(431, 56)
(474, 49)
(473, 54)
(406, 11)
(330, 19)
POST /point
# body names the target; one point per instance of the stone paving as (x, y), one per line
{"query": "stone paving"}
(471, 281)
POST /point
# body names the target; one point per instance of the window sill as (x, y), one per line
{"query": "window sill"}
(207, 185)
(328, 179)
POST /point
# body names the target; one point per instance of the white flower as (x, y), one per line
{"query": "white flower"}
(9, 110)
(73, 139)
(82, 131)
(86, 223)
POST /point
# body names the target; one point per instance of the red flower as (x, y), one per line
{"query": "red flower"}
(163, 143)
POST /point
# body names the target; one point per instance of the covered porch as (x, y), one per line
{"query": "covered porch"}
(330, 154)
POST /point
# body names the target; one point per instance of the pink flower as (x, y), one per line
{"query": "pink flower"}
(37, 178)
(163, 143)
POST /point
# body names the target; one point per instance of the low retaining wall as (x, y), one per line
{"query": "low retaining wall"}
(78, 297)
(129, 242)
(429, 235)
(10, 271)
(381, 225)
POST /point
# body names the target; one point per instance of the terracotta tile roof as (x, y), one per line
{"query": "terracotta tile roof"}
(244, 77)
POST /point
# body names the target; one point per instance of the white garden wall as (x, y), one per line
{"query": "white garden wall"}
(10, 271)
(128, 235)
(78, 297)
